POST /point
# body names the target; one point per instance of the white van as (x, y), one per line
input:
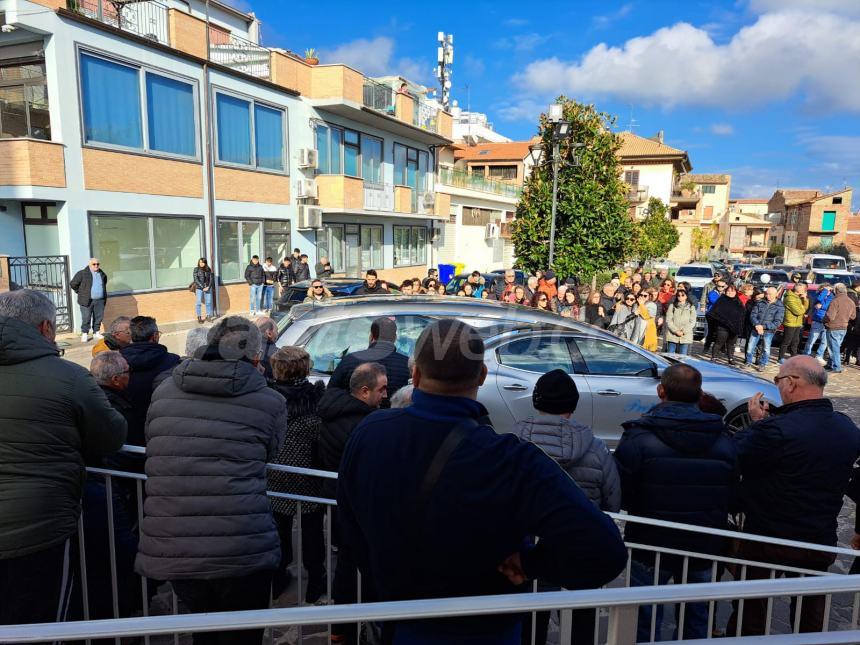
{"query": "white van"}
(824, 262)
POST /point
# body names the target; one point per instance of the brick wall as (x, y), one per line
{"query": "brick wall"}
(236, 185)
(442, 207)
(130, 173)
(291, 73)
(335, 81)
(402, 199)
(25, 162)
(404, 107)
(340, 191)
(187, 33)
(396, 276)
(446, 124)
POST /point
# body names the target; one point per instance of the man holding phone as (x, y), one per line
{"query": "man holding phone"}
(795, 463)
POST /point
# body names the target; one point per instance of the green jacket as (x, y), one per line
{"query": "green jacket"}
(52, 414)
(795, 309)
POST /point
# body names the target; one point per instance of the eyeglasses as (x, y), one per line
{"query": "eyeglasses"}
(95, 264)
(777, 379)
(630, 300)
(318, 286)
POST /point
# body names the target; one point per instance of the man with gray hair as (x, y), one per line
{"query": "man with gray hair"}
(211, 531)
(269, 332)
(118, 335)
(52, 413)
(766, 317)
(110, 370)
(795, 463)
(840, 313)
(196, 338)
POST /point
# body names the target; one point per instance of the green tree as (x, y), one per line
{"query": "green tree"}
(593, 229)
(776, 251)
(655, 235)
(836, 249)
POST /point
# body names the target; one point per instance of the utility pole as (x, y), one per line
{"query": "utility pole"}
(444, 60)
(556, 162)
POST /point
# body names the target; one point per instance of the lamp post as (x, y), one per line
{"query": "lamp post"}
(560, 130)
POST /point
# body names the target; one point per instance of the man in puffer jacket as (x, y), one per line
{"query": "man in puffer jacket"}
(208, 526)
(582, 455)
(52, 415)
(678, 464)
(766, 316)
(817, 311)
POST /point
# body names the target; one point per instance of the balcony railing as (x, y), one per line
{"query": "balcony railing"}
(378, 197)
(461, 179)
(378, 96)
(147, 19)
(685, 194)
(425, 116)
(239, 54)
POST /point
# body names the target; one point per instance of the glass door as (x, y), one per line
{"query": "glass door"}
(353, 251)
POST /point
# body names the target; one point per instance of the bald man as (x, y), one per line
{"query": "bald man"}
(795, 461)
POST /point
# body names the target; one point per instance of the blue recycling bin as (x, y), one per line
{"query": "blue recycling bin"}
(446, 273)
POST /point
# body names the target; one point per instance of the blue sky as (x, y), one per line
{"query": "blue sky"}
(766, 90)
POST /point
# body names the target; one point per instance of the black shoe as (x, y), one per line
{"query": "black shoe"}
(316, 588)
(200, 320)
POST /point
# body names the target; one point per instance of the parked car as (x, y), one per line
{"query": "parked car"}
(817, 276)
(519, 276)
(765, 277)
(339, 287)
(788, 268)
(740, 266)
(617, 380)
(456, 283)
(698, 275)
(825, 262)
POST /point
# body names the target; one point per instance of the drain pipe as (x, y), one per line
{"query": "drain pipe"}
(210, 171)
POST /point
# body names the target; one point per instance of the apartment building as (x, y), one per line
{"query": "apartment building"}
(754, 207)
(811, 218)
(744, 236)
(155, 137)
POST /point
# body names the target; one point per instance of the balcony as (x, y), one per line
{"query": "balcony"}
(29, 162)
(637, 194)
(460, 179)
(378, 197)
(147, 19)
(685, 195)
(239, 54)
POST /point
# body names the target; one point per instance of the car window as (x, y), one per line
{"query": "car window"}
(605, 358)
(538, 354)
(331, 341)
(695, 272)
(831, 278)
(297, 295)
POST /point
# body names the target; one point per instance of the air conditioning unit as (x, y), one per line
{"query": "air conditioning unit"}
(306, 189)
(492, 231)
(307, 158)
(310, 217)
(429, 199)
(435, 234)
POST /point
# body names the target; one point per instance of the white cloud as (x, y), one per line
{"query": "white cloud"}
(375, 57)
(847, 7)
(722, 129)
(523, 42)
(473, 67)
(516, 22)
(524, 109)
(605, 20)
(778, 56)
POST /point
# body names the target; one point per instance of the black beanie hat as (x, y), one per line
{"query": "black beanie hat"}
(555, 393)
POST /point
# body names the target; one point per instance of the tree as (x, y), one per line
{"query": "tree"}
(776, 251)
(593, 229)
(654, 236)
(836, 249)
(702, 239)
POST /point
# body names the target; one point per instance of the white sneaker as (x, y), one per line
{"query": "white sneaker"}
(820, 360)
(85, 338)
(98, 336)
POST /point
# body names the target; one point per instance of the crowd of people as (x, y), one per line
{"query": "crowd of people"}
(431, 501)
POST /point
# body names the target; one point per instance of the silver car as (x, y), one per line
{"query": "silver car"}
(617, 380)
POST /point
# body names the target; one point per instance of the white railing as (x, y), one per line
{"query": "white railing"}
(378, 197)
(147, 19)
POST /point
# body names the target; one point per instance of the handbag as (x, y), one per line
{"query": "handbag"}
(192, 287)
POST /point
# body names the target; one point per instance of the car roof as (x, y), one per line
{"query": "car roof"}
(705, 265)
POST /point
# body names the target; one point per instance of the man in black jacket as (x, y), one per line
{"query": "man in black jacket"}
(52, 414)
(676, 447)
(301, 269)
(90, 283)
(285, 275)
(383, 335)
(147, 358)
(371, 284)
(269, 331)
(796, 462)
(255, 278)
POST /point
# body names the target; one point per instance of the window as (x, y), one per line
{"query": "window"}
(631, 177)
(371, 247)
(605, 358)
(504, 173)
(410, 245)
(24, 100)
(330, 243)
(351, 151)
(249, 133)
(837, 200)
(348, 152)
(828, 221)
(371, 159)
(536, 354)
(411, 168)
(478, 170)
(826, 241)
(115, 99)
(239, 240)
(708, 189)
(141, 253)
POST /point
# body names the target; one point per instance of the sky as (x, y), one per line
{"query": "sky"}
(765, 90)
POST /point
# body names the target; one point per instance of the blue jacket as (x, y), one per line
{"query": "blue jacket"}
(713, 296)
(823, 297)
(768, 314)
(494, 493)
(795, 466)
(678, 464)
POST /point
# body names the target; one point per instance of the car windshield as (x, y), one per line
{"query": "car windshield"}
(832, 278)
(773, 276)
(828, 263)
(695, 272)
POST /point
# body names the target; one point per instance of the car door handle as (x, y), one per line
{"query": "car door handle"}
(515, 387)
(609, 392)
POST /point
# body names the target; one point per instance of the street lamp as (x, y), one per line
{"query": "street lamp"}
(561, 130)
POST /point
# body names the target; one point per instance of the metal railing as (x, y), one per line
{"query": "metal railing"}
(425, 116)
(460, 179)
(378, 96)
(378, 197)
(98, 592)
(147, 19)
(637, 194)
(239, 54)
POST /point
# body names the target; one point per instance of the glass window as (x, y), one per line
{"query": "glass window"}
(170, 115)
(399, 165)
(178, 246)
(350, 153)
(419, 234)
(329, 141)
(13, 112)
(709, 189)
(423, 167)
(110, 94)
(371, 247)
(252, 240)
(371, 159)
(38, 111)
(330, 244)
(277, 239)
(228, 250)
(323, 155)
(336, 151)
(411, 167)
(234, 129)
(122, 245)
(269, 137)
(536, 354)
(401, 245)
(606, 358)
(239, 241)
(410, 245)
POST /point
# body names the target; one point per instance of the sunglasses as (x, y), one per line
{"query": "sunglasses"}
(95, 264)
(630, 300)
(318, 286)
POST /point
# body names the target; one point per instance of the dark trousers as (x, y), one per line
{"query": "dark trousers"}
(851, 347)
(227, 594)
(755, 609)
(711, 336)
(313, 547)
(95, 312)
(35, 588)
(726, 341)
(582, 627)
(790, 341)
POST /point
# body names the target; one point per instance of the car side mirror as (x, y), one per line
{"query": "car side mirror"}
(658, 371)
